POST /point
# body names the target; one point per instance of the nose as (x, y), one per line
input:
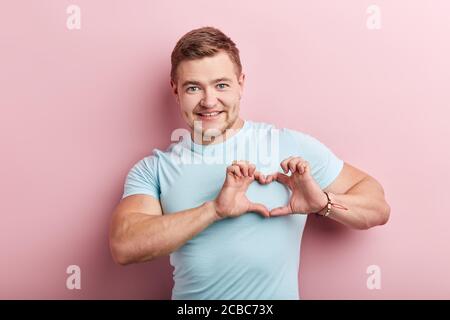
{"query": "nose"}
(209, 99)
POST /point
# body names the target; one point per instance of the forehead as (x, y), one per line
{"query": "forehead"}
(217, 66)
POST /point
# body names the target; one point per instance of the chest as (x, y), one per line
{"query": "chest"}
(189, 186)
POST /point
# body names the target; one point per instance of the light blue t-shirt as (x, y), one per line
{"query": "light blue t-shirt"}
(248, 257)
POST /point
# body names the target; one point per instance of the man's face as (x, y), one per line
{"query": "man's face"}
(208, 90)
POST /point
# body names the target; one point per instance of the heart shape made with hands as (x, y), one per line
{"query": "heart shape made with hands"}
(306, 195)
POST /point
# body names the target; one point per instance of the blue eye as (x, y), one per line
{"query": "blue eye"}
(223, 84)
(189, 89)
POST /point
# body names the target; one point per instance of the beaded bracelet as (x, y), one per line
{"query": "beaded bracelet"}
(328, 206)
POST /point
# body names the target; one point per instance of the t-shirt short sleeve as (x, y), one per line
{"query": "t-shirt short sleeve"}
(325, 165)
(143, 178)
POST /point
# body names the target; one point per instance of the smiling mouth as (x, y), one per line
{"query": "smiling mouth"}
(208, 115)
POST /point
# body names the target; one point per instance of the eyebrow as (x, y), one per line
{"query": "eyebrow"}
(190, 82)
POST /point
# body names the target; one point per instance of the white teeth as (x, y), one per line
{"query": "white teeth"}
(212, 114)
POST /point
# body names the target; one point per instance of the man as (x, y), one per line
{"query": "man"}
(232, 222)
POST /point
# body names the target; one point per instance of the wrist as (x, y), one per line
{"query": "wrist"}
(325, 208)
(212, 209)
(322, 206)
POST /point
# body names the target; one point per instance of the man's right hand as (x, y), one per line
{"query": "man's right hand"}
(232, 201)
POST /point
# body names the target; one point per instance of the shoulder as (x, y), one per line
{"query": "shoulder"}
(151, 162)
(298, 142)
(254, 125)
(285, 134)
(261, 129)
(159, 156)
(299, 137)
(272, 127)
(284, 137)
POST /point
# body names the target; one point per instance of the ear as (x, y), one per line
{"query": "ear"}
(241, 81)
(175, 91)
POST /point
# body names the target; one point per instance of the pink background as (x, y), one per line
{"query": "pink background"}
(80, 107)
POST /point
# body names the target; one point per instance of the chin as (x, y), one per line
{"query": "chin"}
(213, 128)
(219, 126)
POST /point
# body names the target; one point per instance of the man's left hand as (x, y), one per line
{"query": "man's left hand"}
(307, 196)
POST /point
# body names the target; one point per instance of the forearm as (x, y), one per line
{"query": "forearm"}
(365, 203)
(146, 237)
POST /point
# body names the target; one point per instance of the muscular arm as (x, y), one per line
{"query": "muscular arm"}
(362, 195)
(139, 232)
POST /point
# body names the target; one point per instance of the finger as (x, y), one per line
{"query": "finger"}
(259, 208)
(236, 170)
(284, 164)
(271, 178)
(282, 178)
(299, 167)
(263, 179)
(244, 167)
(251, 169)
(302, 166)
(231, 171)
(260, 177)
(280, 211)
(241, 162)
(293, 164)
(308, 168)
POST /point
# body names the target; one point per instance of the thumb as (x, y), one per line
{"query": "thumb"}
(280, 211)
(259, 208)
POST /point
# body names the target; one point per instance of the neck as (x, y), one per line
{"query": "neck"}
(228, 133)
